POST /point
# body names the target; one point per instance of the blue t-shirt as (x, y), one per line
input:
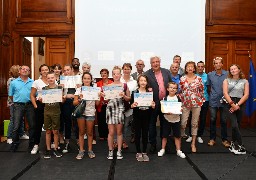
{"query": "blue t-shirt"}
(20, 90)
(215, 82)
(205, 82)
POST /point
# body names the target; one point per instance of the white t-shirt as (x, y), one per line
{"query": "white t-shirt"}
(90, 105)
(38, 85)
(172, 117)
(132, 86)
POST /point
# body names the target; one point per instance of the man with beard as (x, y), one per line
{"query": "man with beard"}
(76, 65)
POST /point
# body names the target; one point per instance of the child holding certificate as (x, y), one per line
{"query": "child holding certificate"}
(172, 121)
(115, 114)
(86, 121)
(52, 119)
(141, 118)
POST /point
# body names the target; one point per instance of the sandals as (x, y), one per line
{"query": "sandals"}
(91, 154)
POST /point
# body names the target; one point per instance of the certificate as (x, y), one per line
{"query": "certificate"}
(171, 107)
(91, 93)
(70, 81)
(52, 95)
(112, 92)
(143, 99)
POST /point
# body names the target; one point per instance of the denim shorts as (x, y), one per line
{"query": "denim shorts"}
(87, 118)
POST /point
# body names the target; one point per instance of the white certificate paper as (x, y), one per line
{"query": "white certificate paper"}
(52, 95)
(91, 93)
(70, 81)
(143, 99)
(112, 92)
(171, 107)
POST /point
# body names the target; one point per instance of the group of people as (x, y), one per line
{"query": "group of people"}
(196, 90)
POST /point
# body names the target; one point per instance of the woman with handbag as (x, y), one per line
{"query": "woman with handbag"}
(236, 92)
(86, 119)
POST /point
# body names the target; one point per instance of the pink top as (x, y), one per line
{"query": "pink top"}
(160, 81)
(192, 94)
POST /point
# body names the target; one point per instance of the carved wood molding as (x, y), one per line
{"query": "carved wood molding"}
(6, 39)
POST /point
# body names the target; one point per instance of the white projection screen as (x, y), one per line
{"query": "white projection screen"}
(112, 32)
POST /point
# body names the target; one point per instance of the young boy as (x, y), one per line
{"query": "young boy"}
(172, 121)
(52, 119)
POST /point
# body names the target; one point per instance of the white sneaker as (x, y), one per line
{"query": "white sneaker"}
(161, 152)
(85, 136)
(9, 141)
(200, 140)
(93, 141)
(119, 155)
(24, 136)
(181, 154)
(34, 150)
(189, 139)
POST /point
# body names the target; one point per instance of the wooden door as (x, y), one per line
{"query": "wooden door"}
(26, 52)
(234, 51)
(57, 51)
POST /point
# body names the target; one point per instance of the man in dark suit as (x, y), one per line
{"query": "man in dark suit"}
(158, 80)
(140, 66)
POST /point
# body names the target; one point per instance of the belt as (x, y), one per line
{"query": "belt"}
(27, 103)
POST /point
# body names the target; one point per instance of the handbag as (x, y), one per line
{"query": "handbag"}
(223, 100)
(79, 109)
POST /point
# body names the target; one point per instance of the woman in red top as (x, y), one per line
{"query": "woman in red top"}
(101, 108)
(192, 97)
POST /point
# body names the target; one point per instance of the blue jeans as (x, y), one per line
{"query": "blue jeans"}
(152, 124)
(202, 118)
(10, 127)
(223, 122)
(19, 111)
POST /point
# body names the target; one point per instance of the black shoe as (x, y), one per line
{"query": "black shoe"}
(153, 148)
(14, 147)
(47, 154)
(57, 153)
(241, 150)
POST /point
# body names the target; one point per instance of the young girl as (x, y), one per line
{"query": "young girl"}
(172, 121)
(141, 117)
(115, 114)
(87, 119)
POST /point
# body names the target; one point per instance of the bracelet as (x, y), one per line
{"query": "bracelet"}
(231, 102)
(237, 104)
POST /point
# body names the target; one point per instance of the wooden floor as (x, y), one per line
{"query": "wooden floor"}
(208, 163)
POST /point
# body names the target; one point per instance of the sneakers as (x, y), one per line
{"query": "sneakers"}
(110, 154)
(91, 154)
(211, 142)
(119, 155)
(93, 141)
(24, 136)
(189, 139)
(57, 154)
(85, 136)
(9, 141)
(139, 157)
(47, 154)
(35, 149)
(181, 154)
(80, 155)
(241, 150)
(161, 152)
(226, 143)
(145, 157)
(200, 140)
(232, 147)
(66, 148)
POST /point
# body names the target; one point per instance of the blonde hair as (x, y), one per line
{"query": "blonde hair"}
(241, 74)
(14, 71)
(117, 67)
